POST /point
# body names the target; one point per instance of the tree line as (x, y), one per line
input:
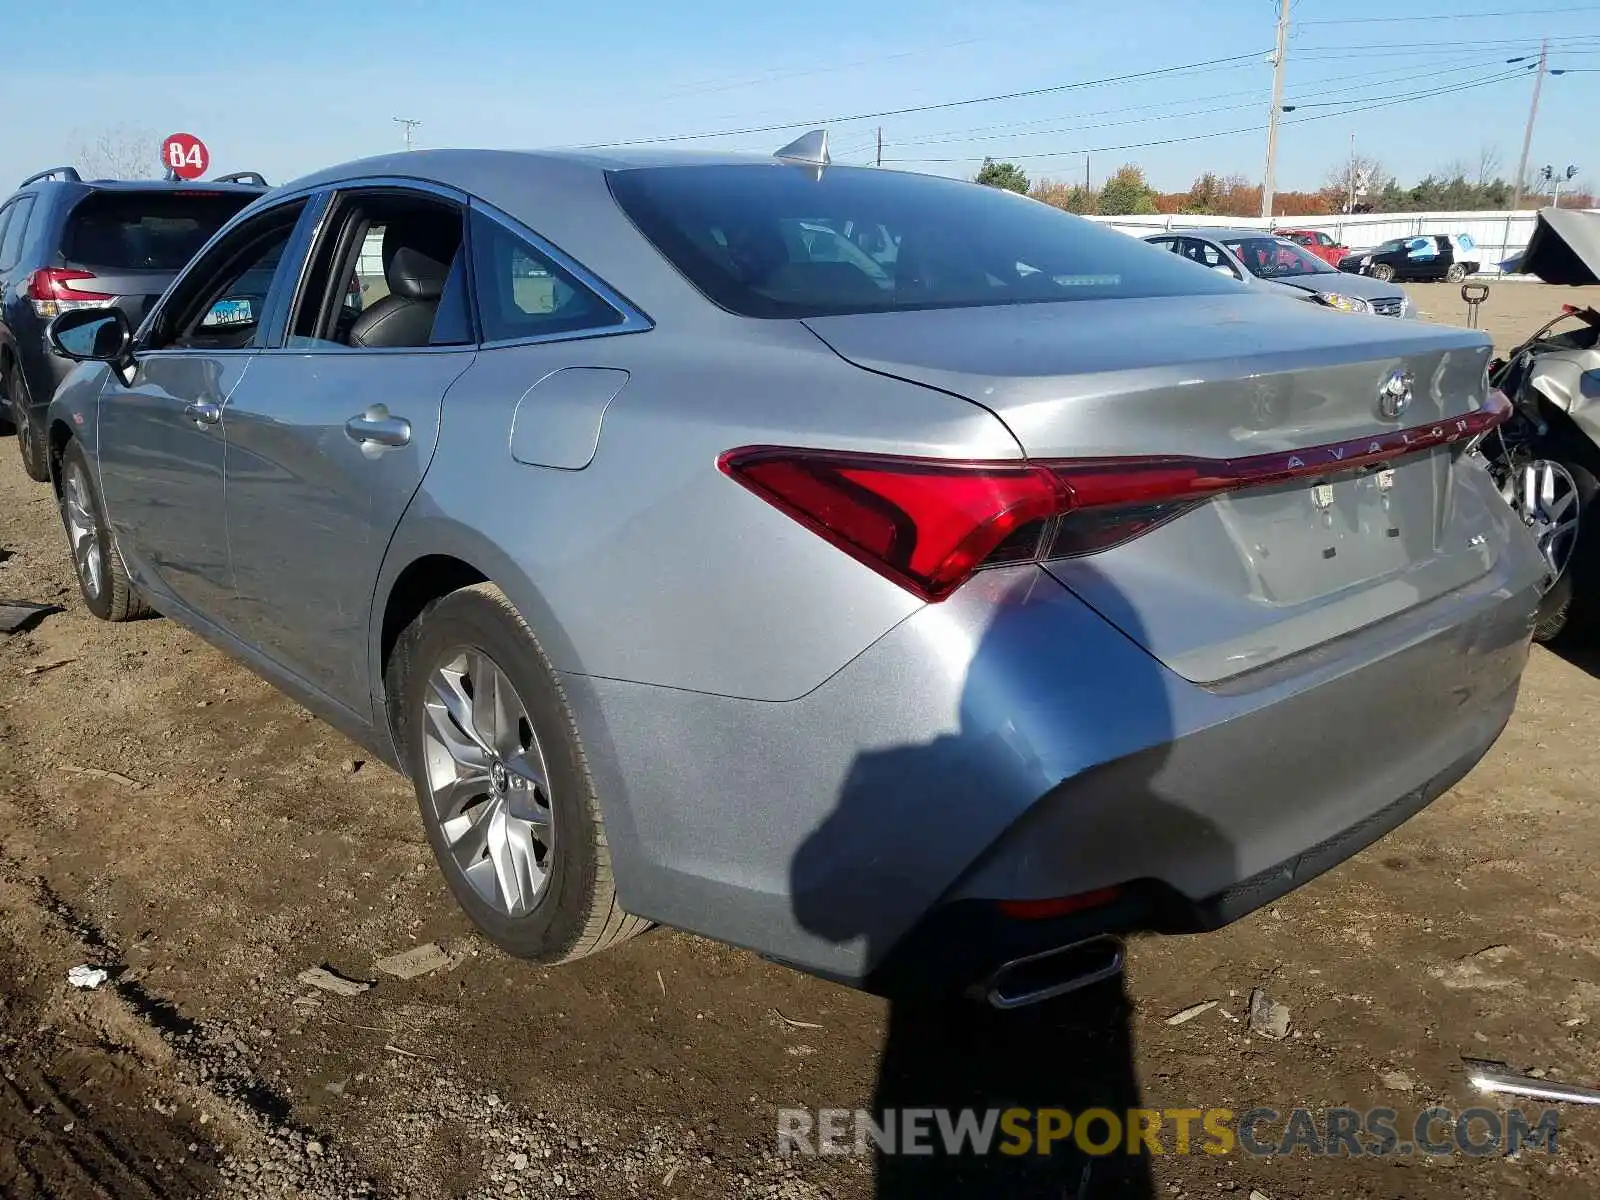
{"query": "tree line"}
(1454, 188)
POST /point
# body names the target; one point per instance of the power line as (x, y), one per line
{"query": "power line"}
(1473, 16)
(945, 137)
(916, 108)
(1219, 133)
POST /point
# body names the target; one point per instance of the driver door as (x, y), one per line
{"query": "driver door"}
(163, 429)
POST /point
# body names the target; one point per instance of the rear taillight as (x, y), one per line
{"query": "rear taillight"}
(52, 292)
(928, 524)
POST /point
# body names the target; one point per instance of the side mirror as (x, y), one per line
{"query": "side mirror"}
(1224, 269)
(92, 335)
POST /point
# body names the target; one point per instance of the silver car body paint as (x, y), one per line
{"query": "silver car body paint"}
(793, 753)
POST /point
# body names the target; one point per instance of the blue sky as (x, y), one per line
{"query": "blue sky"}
(291, 86)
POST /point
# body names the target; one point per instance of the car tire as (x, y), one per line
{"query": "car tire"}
(1568, 611)
(1382, 272)
(30, 429)
(1455, 274)
(484, 729)
(102, 579)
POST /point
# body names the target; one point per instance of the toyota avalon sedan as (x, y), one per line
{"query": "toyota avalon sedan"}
(918, 618)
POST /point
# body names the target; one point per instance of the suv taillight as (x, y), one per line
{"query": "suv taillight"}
(52, 292)
(928, 524)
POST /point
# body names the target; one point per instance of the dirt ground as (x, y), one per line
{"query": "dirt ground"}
(167, 816)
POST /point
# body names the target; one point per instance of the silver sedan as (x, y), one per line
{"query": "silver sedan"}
(902, 578)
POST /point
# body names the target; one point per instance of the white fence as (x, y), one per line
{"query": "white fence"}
(1488, 230)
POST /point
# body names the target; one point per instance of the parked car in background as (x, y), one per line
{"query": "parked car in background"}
(66, 243)
(926, 622)
(1318, 241)
(1425, 259)
(1276, 264)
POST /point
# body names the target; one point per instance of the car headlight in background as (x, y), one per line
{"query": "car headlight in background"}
(1350, 304)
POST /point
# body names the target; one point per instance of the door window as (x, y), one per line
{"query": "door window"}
(389, 273)
(221, 300)
(522, 293)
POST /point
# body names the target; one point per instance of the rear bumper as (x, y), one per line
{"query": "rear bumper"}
(1010, 744)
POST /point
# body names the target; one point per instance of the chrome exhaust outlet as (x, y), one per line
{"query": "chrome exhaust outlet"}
(1039, 977)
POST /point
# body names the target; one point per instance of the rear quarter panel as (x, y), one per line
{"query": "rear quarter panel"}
(649, 565)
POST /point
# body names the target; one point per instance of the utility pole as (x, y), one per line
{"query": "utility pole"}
(1352, 209)
(1527, 142)
(1086, 170)
(1269, 183)
(880, 145)
(409, 126)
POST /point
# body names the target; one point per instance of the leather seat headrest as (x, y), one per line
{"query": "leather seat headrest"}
(413, 275)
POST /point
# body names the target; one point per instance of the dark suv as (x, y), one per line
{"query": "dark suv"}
(66, 242)
(1426, 258)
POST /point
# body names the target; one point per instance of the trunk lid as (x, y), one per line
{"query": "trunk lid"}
(1250, 577)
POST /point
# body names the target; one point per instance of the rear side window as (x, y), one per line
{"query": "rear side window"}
(146, 231)
(13, 224)
(775, 241)
(523, 294)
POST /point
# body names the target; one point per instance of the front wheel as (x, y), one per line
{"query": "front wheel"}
(1556, 501)
(103, 580)
(30, 429)
(1455, 274)
(501, 780)
(1382, 272)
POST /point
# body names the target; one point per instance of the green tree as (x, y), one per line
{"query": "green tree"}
(1002, 175)
(1205, 195)
(1127, 191)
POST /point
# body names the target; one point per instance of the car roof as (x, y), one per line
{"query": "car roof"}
(470, 169)
(1219, 234)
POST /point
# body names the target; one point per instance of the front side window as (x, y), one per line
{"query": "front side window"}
(221, 301)
(774, 241)
(523, 293)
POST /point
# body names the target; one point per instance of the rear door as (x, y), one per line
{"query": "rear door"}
(331, 431)
(163, 427)
(131, 242)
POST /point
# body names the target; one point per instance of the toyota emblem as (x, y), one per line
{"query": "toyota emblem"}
(1394, 397)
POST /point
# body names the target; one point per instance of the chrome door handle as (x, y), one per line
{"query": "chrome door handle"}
(202, 413)
(376, 427)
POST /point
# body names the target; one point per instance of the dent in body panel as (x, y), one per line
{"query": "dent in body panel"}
(557, 422)
(895, 783)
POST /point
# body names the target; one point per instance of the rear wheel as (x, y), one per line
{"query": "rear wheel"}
(107, 591)
(30, 429)
(501, 780)
(1556, 500)
(1455, 274)
(1382, 272)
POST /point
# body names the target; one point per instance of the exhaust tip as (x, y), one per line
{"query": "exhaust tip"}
(1040, 977)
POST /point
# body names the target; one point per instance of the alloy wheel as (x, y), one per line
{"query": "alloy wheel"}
(487, 781)
(83, 532)
(1544, 495)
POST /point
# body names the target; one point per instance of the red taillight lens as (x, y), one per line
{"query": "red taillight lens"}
(928, 524)
(54, 283)
(924, 523)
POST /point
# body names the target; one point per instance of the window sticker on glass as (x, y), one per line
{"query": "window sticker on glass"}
(230, 312)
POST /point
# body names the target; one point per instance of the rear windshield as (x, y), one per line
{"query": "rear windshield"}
(775, 241)
(146, 231)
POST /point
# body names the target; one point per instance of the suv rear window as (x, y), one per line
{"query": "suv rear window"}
(146, 231)
(775, 241)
